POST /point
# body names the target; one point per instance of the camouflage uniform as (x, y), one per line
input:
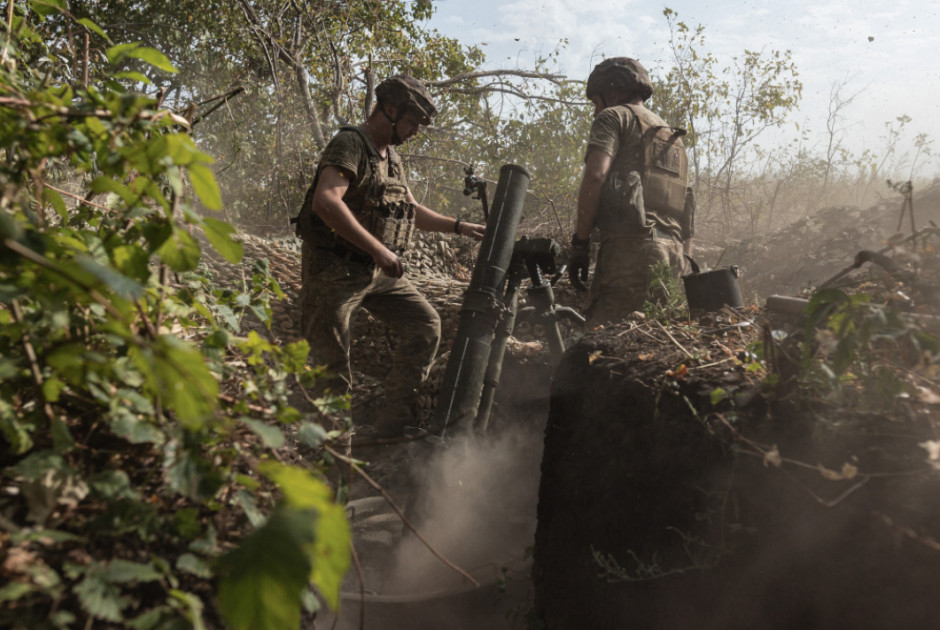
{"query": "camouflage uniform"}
(338, 280)
(631, 241)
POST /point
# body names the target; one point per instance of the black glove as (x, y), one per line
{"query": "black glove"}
(579, 262)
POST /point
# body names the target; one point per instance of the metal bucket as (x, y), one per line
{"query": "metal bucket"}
(710, 290)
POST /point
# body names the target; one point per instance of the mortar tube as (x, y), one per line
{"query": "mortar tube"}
(494, 367)
(482, 308)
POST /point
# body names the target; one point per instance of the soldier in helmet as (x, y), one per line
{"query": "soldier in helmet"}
(356, 223)
(634, 190)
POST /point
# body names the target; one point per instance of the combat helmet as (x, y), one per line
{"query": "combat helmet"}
(619, 72)
(404, 89)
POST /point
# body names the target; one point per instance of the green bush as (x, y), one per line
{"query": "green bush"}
(139, 430)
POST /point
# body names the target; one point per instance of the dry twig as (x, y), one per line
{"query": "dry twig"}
(352, 464)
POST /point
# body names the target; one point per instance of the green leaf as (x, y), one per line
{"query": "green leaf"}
(185, 381)
(717, 395)
(16, 433)
(134, 76)
(154, 57)
(180, 251)
(121, 571)
(103, 184)
(118, 283)
(271, 436)
(14, 590)
(264, 577)
(187, 523)
(94, 28)
(194, 565)
(100, 598)
(134, 429)
(45, 535)
(295, 356)
(62, 438)
(330, 558)
(51, 388)
(112, 485)
(58, 204)
(132, 261)
(311, 434)
(45, 8)
(248, 505)
(219, 234)
(149, 619)
(301, 489)
(36, 464)
(193, 608)
(206, 187)
(331, 553)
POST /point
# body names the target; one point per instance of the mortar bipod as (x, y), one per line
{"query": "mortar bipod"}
(540, 256)
(532, 258)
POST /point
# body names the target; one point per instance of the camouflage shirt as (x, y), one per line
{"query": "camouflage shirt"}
(348, 151)
(617, 132)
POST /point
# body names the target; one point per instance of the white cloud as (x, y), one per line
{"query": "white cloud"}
(829, 40)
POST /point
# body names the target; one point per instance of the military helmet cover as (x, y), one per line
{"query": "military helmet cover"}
(619, 72)
(404, 89)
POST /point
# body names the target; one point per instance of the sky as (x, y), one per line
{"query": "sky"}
(887, 52)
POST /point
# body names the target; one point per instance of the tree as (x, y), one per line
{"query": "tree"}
(726, 110)
(118, 432)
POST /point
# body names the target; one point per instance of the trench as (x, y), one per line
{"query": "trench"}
(474, 500)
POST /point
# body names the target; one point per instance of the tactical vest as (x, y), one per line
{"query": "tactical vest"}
(649, 188)
(385, 210)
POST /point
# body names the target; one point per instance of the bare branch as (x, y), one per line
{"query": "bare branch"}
(477, 74)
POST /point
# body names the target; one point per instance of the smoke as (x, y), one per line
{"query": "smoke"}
(476, 507)
(474, 501)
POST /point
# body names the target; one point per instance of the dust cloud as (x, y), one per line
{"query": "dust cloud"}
(477, 508)
(474, 501)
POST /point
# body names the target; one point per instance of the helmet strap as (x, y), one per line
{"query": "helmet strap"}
(396, 139)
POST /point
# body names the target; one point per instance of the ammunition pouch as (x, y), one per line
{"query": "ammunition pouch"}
(622, 207)
(393, 224)
(385, 212)
(651, 187)
(666, 175)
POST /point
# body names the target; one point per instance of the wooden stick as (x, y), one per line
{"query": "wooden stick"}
(673, 339)
(400, 513)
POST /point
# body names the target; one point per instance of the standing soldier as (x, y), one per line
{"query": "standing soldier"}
(356, 222)
(635, 190)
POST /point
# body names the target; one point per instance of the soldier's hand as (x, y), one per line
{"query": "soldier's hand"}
(473, 230)
(389, 263)
(579, 262)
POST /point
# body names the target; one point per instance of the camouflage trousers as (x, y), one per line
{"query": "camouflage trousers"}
(621, 282)
(333, 291)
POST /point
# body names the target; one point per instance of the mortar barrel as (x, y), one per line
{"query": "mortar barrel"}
(462, 387)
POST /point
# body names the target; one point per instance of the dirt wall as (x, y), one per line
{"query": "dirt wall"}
(659, 510)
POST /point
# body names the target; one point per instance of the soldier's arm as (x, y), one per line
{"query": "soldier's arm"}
(328, 204)
(431, 221)
(596, 167)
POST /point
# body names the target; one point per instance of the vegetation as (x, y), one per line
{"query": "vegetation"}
(140, 432)
(143, 474)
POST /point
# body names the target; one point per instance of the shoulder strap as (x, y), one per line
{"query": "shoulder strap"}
(371, 149)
